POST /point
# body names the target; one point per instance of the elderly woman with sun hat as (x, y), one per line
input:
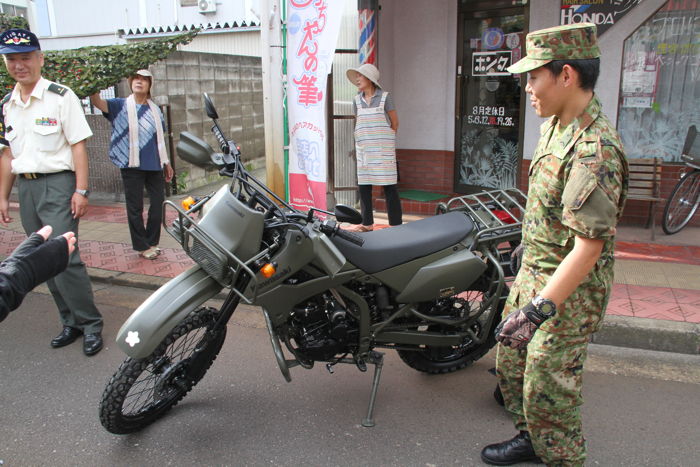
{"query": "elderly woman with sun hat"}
(375, 144)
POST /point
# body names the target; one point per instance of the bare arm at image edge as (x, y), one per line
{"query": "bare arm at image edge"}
(98, 102)
(79, 202)
(7, 178)
(393, 116)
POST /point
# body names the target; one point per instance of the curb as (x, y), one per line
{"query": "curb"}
(617, 331)
(649, 334)
(139, 281)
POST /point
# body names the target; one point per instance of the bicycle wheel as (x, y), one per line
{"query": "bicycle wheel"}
(682, 203)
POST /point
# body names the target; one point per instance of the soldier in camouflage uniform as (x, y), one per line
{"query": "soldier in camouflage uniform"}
(577, 188)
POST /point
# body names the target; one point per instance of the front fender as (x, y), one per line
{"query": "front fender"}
(160, 313)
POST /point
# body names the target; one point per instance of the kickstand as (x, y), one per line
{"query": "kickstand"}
(377, 359)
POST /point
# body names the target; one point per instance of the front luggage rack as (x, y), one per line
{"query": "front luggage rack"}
(498, 214)
(209, 254)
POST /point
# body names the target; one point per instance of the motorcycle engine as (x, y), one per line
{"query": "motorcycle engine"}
(321, 328)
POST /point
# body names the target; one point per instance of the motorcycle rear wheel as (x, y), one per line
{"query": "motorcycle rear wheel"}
(436, 360)
(142, 390)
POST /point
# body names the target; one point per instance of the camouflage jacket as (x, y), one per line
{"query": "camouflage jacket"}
(577, 187)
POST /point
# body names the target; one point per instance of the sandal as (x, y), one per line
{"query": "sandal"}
(360, 228)
(151, 253)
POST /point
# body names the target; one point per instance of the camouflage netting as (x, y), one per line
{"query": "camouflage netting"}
(88, 70)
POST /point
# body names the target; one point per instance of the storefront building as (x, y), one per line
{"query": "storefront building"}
(465, 122)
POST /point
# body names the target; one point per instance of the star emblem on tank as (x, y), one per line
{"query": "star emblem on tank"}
(132, 338)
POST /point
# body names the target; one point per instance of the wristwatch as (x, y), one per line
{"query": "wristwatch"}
(545, 306)
(85, 193)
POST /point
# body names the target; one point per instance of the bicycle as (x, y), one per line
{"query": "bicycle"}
(685, 197)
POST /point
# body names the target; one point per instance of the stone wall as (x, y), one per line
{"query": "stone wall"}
(234, 84)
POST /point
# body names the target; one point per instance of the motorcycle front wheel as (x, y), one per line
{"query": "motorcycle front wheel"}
(435, 360)
(143, 390)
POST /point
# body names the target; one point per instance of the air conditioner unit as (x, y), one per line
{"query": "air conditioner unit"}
(206, 6)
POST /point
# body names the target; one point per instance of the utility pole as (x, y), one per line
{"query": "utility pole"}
(272, 54)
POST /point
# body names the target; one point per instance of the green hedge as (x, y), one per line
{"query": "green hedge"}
(88, 70)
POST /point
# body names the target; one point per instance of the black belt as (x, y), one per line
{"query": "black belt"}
(32, 176)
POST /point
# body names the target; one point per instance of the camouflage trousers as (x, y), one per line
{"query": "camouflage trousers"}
(542, 390)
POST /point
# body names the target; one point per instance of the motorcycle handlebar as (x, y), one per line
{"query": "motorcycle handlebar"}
(350, 237)
(330, 227)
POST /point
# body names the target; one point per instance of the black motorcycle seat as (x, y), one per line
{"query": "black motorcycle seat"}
(386, 248)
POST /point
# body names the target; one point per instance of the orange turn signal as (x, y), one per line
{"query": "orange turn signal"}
(268, 270)
(187, 203)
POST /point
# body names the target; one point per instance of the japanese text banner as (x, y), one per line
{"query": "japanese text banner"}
(312, 33)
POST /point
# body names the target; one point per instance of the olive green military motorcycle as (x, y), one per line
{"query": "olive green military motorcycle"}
(432, 289)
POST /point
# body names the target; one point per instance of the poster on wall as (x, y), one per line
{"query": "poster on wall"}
(639, 86)
(603, 13)
(312, 34)
(660, 85)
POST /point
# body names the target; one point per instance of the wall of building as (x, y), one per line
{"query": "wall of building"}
(417, 59)
(66, 30)
(245, 42)
(105, 16)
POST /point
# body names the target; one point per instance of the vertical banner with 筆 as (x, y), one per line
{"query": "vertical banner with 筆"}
(312, 34)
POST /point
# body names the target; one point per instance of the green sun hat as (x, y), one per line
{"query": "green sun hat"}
(570, 42)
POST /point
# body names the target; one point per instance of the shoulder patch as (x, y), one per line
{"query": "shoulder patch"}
(58, 89)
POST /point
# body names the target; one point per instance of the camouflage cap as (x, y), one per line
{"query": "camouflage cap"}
(569, 42)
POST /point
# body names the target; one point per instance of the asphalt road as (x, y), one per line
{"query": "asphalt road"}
(642, 408)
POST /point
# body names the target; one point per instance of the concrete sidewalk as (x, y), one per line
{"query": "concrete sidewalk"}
(655, 301)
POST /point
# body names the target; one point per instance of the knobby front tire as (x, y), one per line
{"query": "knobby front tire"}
(141, 391)
(682, 204)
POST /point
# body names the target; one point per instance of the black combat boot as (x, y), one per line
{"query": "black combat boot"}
(513, 451)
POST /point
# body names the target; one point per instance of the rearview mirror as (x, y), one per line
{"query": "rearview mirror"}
(209, 107)
(196, 151)
(347, 214)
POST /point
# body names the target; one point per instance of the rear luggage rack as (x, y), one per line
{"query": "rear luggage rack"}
(209, 254)
(498, 214)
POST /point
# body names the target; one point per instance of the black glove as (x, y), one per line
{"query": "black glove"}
(31, 263)
(48, 259)
(517, 329)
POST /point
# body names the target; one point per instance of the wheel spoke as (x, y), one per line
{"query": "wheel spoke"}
(141, 391)
(683, 203)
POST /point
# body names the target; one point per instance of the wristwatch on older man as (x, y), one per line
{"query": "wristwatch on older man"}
(85, 193)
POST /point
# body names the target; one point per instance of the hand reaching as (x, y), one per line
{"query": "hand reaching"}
(46, 230)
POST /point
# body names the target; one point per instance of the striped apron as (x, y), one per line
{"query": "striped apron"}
(375, 145)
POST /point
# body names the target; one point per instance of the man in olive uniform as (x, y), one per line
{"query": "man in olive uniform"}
(577, 189)
(42, 138)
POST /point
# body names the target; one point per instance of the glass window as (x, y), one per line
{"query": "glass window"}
(660, 87)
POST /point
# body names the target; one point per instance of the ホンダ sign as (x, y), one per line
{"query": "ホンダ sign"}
(603, 13)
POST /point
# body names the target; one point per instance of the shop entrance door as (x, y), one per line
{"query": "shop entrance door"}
(488, 149)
